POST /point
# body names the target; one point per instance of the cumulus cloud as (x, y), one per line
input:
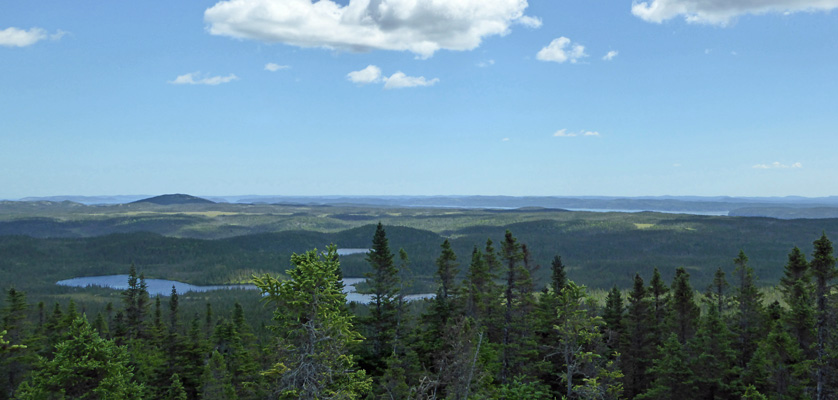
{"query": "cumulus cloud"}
(196, 78)
(372, 74)
(419, 26)
(561, 50)
(15, 37)
(722, 12)
(275, 67)
(778, 165)
(565, 133)
(610, 55)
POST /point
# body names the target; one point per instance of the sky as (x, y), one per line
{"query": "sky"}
(419, 97)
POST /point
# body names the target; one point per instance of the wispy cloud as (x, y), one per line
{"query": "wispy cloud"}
(722, 12)
(530, 22)
(777, 165)
(196, 78)
(610, 55)
(422, 27)
(561, 50)
(487, 63)
(399, 80)
(565, 133)
(275, 67)
(15, 37)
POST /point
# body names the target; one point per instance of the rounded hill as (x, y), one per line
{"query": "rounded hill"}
(174, 199)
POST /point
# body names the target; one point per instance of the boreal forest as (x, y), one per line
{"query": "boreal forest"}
(526, 304)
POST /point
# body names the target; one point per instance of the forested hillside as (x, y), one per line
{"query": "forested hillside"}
(491, 331)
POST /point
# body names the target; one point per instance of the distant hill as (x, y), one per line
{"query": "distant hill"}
(786, 212)
(174, 199)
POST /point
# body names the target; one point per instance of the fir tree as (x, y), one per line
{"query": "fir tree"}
(683, 311)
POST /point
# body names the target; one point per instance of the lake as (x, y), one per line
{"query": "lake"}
(163, 287)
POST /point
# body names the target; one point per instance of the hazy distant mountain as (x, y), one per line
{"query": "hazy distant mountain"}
(90, 200)
(173, 199)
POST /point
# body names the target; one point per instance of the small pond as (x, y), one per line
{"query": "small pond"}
(163, 287)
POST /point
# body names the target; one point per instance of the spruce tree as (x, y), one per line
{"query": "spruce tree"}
(823, 269)
(382, 322)
(797, 290)
(613, 317)
(85, 367)
(15, 365)
(518, 344)
(750, 313)
(683, 311)
(779, 367)
(637, 347)
(672, 376)
(714, 360)
(314, 331)
(658, 293)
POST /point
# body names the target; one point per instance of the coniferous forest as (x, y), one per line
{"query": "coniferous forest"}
(490, 332)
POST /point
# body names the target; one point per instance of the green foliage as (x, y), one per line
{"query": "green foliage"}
(521, 389)
(176, 391)
(673, 377)
(314, 331)
(85, 367)
(683, 311)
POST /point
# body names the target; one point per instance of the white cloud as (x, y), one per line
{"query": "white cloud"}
(565, 133)
(561, 50)
(531, 22)
(14, 37)
(778, 165)
(196, 78)
(721, 12)
(610, 55)
(400, 80)
(275, 67)
(506, 139)
(370, 74)
(487, 63)
(419, 26)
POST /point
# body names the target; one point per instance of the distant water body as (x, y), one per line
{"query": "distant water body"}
(163, 287)
(603, 210)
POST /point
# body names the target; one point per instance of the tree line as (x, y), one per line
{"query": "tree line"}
(489, 332)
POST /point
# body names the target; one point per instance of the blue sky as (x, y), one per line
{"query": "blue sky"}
(419, 97)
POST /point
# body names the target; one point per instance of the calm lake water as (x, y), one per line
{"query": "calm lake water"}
(163, 287)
